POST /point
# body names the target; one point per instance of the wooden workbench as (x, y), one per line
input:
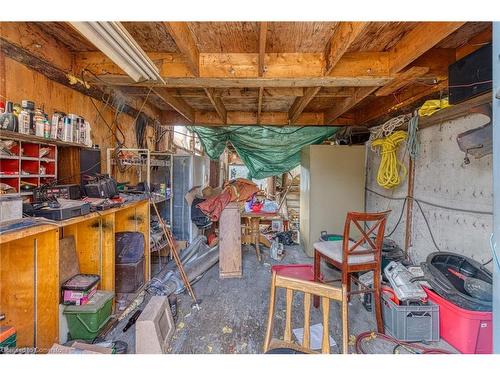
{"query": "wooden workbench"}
(29, 267)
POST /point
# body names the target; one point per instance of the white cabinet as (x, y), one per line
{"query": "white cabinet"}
(332, 183)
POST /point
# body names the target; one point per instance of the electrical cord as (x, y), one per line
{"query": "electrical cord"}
(418, 202)
(410, 346)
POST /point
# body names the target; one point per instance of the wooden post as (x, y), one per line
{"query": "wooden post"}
(3, 82)
(409, 206)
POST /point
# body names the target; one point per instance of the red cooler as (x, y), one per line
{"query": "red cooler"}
(470, 332)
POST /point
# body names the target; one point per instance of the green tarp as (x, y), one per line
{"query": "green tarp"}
(265, 150)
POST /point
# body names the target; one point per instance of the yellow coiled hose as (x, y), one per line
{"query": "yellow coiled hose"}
(391, 171)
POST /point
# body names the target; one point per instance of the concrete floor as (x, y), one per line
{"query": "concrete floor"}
(233, 314)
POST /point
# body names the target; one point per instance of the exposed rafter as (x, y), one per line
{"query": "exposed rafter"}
(301, 103)
(345, 34)
(413, 45)
(175, 102)
(217, 103)
(340, 107)
(184, 40)
(418, 41)
(402, 80)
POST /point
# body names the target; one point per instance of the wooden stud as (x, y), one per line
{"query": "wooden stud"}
(288, 320)
(218, 104)
(307, 320)
(259, 104)
(179, 31)
(402, 80)
(262, 46)
(418, 41)
(325, 345)
(176, 103)
(345, 34)
(301, 103)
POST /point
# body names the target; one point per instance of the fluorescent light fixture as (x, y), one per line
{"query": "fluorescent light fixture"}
(116, 43)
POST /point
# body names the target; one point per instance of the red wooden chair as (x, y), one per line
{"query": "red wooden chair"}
(352, 256)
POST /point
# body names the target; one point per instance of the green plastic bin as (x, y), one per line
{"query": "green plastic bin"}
(86, 321)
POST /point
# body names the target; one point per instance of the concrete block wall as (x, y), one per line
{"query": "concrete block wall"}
(442, 178)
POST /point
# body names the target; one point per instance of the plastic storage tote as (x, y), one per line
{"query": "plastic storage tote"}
(86, 321)
(466, 330)
(79, 289)
(410, 323)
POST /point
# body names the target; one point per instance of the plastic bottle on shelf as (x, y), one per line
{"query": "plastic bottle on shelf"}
(8, 121)
(39, 122)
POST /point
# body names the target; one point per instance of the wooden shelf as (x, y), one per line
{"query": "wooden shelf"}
(33, 138)
(29, 266)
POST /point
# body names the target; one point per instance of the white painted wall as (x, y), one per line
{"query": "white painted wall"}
(442, 178)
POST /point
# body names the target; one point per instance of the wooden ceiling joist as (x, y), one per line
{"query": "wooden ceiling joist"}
(217, 103)
(176, 103)
(413, 45)
(402, 80)
(340, 107)
(180, 33)
(345, 34)
(418, 41)
(301, 103)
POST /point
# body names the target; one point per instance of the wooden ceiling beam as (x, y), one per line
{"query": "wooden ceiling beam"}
(183, 38)
(476, 42)
(262, 47)
(418, 41)
(218, 104)
(355, 67)
(250, 118)
(342, 106)
(384, 107)
(402, 80)
(345, 34)
(202, 82)
(175, 102)
(301, 103)
(413, 45)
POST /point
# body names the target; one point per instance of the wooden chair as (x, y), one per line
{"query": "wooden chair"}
(353, 256)
(309, 288)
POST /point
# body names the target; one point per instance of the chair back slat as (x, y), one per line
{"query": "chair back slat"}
(309, 288)
(325, 345)
(375, 223)
(288, 324)
(306, 342)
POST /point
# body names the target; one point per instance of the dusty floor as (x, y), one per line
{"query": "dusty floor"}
(233, 313)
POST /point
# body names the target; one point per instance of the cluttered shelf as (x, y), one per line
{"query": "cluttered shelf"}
(93, 241)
